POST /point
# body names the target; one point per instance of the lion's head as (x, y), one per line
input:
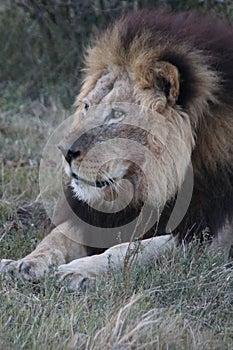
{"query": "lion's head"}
(131, 130)
(148, 99)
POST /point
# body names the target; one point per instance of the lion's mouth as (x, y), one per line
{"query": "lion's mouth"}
(98, 184)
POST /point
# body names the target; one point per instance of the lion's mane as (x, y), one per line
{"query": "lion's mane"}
(202, 51)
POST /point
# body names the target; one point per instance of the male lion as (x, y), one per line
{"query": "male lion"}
(177, 69)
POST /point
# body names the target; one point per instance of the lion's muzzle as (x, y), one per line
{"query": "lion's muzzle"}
(77, 149)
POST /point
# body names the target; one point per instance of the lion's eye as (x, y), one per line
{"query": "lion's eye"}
(86, 104)
(117, 114)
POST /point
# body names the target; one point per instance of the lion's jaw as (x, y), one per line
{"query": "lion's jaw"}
(126, 150)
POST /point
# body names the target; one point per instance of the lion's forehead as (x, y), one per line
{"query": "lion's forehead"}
(102, 87)
(112, 86)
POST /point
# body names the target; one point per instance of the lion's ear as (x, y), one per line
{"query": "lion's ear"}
(168, 80)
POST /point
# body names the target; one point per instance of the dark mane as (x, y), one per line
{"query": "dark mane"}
(210, 35)
(212, 42)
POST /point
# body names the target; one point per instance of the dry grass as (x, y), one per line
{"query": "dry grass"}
(184, 302)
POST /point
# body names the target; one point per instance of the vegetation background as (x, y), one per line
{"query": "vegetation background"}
(186, 302)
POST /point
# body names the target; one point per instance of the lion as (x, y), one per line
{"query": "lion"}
(156, 101)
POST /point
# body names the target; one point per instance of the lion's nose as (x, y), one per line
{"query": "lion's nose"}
(78, 148)
(71, 153)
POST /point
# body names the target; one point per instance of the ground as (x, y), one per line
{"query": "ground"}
(185, 301)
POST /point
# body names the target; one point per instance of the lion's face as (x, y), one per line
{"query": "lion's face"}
(127, 141)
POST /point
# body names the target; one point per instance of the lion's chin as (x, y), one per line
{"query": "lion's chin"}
(85, 192)
(107, 198)
(91, 192)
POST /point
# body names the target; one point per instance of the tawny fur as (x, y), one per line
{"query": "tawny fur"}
(176, 70)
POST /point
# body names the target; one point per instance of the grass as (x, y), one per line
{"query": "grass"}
(184, 302)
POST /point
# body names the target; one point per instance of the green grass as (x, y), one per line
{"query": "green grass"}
(184, 302)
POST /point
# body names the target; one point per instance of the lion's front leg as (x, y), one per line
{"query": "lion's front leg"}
(54, 249)
(79, 271)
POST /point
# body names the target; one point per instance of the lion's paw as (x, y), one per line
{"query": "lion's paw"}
(8, 266)
(25, 269)
(77, 274)
(74, 282)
